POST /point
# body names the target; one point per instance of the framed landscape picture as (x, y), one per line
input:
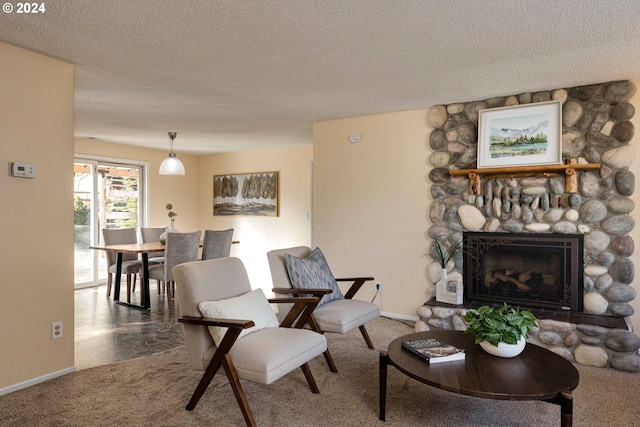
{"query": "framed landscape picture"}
(253, 194)
(523, 135)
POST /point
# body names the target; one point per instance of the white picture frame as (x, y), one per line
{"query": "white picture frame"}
(522, 135)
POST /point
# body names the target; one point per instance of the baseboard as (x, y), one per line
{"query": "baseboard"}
(399, 316)
(35, 381)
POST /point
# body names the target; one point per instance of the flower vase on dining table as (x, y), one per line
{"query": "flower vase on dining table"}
(171, 229)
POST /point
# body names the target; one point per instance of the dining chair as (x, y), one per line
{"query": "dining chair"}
(300, 270)
(179, 248)
(217, 243)
(210, 295)
(152, 234)
(131, 265)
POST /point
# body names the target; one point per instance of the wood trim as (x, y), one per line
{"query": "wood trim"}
(569, 170)
(525, 169)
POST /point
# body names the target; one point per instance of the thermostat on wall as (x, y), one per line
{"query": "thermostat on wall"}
(23, 170)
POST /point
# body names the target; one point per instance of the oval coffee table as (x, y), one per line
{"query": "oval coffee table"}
(535, 374)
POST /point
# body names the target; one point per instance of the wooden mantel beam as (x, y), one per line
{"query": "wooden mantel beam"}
(569, 170)
(516, 170)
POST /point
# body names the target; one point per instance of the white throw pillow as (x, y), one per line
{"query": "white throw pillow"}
(250, 306)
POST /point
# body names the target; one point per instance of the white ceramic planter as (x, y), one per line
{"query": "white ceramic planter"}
(449, 291)
(504, 349)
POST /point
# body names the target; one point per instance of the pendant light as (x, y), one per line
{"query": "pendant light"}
(172, 165)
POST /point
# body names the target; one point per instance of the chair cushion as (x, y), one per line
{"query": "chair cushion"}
(268, 354)
(128, 267)
(250, 306)
(312, 272)
(344, 315)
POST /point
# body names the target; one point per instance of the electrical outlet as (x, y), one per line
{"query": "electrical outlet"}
(56, 330)
(379, 286)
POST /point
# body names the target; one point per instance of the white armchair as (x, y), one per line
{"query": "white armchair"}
(338, 314)
(221, 288)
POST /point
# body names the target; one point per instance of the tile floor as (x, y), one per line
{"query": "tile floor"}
(107, 333)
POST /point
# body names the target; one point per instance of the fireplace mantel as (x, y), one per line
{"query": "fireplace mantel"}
(569, 170)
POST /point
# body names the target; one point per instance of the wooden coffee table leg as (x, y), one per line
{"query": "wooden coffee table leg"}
(384, 362)
(566, 409)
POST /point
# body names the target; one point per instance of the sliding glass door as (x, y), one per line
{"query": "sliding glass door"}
(106, 195)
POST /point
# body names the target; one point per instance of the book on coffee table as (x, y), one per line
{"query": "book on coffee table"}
(433, 351)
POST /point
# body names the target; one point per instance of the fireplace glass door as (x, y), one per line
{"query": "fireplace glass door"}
(535, 270)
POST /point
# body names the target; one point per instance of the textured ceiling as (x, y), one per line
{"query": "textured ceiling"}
(241, 75)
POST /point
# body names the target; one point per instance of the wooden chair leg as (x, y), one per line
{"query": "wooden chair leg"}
(219, 356)
(109, 283)
(309, 377)
(313, 323)
(159, 286)
(234, 381)
(133, 287)
(329, 359)
(365, 335)
(208, 375)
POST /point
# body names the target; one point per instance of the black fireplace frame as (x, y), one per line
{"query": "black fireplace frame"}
(571, 247)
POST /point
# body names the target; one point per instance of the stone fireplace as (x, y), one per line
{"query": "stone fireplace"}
(588, 321)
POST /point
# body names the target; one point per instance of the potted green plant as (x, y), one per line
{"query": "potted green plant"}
(502, 331)
(447, 291)
(443, 255)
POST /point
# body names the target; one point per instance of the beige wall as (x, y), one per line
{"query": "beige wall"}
(371, 203)
(258, 235)
(180, 191)
(36, 219)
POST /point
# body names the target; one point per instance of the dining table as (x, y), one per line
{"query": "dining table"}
(144, 249)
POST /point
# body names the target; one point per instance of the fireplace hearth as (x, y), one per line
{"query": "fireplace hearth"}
(524, 269)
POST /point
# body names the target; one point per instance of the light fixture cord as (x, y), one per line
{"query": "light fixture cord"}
(172, 136)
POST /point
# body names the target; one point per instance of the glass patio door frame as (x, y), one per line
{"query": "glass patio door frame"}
(95, 162)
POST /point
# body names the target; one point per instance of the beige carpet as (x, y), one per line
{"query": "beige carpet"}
(153, 390)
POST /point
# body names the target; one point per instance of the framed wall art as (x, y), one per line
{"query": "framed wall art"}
(522, 135)
(253, 194)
